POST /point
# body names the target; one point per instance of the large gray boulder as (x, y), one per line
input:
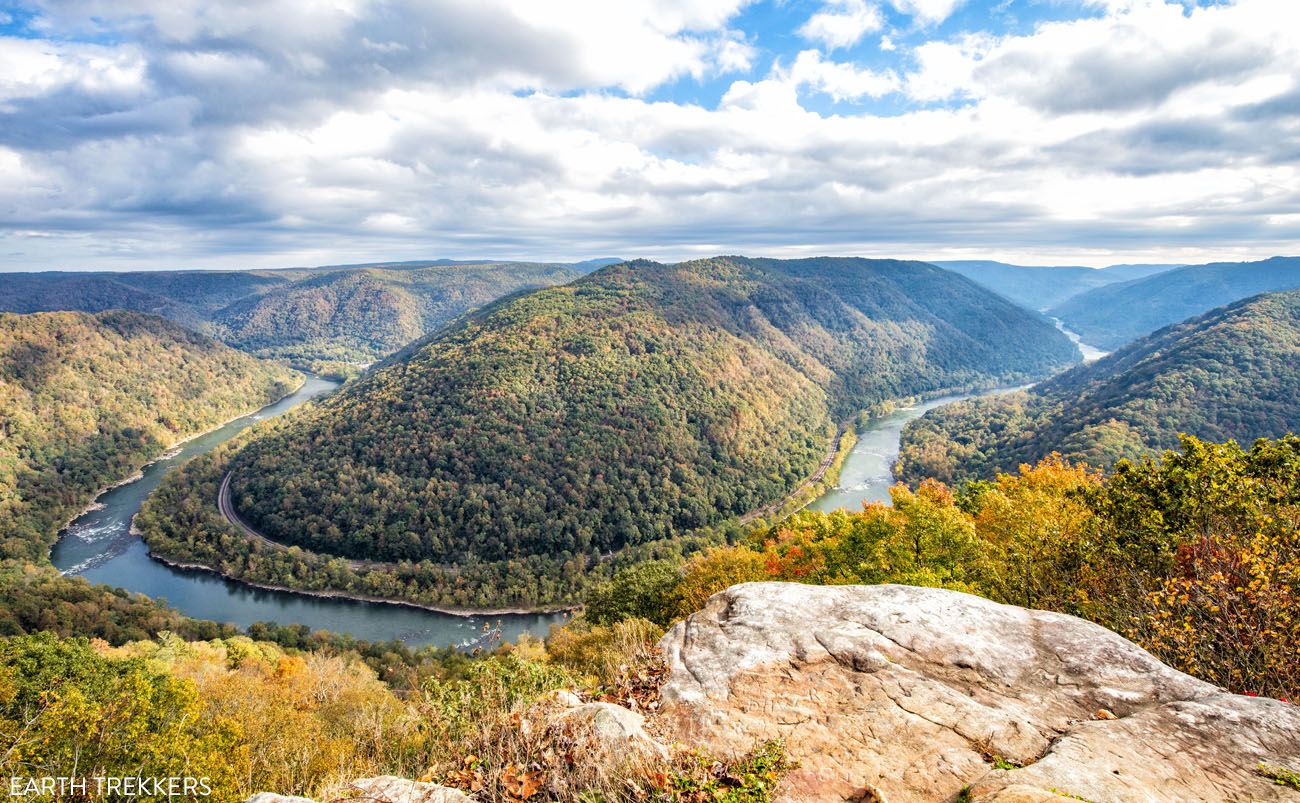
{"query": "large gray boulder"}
(916, 694)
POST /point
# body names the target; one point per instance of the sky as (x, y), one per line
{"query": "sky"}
(141, 134)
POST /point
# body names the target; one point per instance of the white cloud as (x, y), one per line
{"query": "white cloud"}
(635, 45)
(1147, 127)
(927, 12)
(841, 23)
(1140, 54)
(947, 68)
(840, 80)
(32, 67)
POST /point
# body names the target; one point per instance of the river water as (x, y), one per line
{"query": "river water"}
(1089, 353)
(868, 471)
(100, 547)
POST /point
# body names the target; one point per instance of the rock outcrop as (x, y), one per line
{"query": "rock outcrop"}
(608, 733)
(911, 694)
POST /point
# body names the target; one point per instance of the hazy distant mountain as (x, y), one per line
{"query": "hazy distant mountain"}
(1231, 373)
(1041, 286)
(339, 312)
(365, 313)
(585, 266)
(187, 297)
(1125, 273)
(1110, 316)
(588, 265)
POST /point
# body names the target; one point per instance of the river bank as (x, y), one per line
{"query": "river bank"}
(867, 473)
(171, 450)
(447, 610)
(100, 547)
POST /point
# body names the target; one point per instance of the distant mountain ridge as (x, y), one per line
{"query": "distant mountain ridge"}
(1232, 373)
(352, 313)
(1110, 316)
(1039, 287)
(365, 313)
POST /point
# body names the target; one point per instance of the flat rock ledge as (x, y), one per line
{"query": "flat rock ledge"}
(898, 693)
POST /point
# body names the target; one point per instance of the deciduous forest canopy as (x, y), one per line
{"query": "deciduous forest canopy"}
(89, 399)
(635, 404)
(1233, 373)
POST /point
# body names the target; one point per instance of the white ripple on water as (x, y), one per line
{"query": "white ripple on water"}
(90, 534)
(87, 564)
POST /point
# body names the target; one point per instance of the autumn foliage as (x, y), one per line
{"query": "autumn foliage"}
(1195, 555)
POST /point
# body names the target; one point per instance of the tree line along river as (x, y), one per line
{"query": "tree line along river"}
(100, 547)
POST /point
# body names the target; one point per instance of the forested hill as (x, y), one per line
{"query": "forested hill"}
(86, 400)
(635, 404)
(1108, 317)
(1233, 373)
(187, 297)
(351, 312)
(366, 313)
(1041, 286)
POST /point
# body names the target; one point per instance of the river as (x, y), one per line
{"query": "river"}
(868, 471)
(1090, 353)
(99, 546)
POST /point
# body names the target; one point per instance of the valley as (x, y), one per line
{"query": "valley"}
(639, 444)
(868, 471)
(100, 547)
(1116, 314)
(933, 435)
(1229, 374)
(89, 399)
(639, 412)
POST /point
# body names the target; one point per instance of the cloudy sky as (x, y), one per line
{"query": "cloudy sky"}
(196, 133)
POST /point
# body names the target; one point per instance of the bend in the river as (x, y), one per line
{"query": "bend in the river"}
(99, 546)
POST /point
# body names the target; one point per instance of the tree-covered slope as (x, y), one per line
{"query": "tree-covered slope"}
(366, 313)
(348, 312)
(1108, 317)
(1233, 373)
(86, 400)
(635, 404)
(1039, 287)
